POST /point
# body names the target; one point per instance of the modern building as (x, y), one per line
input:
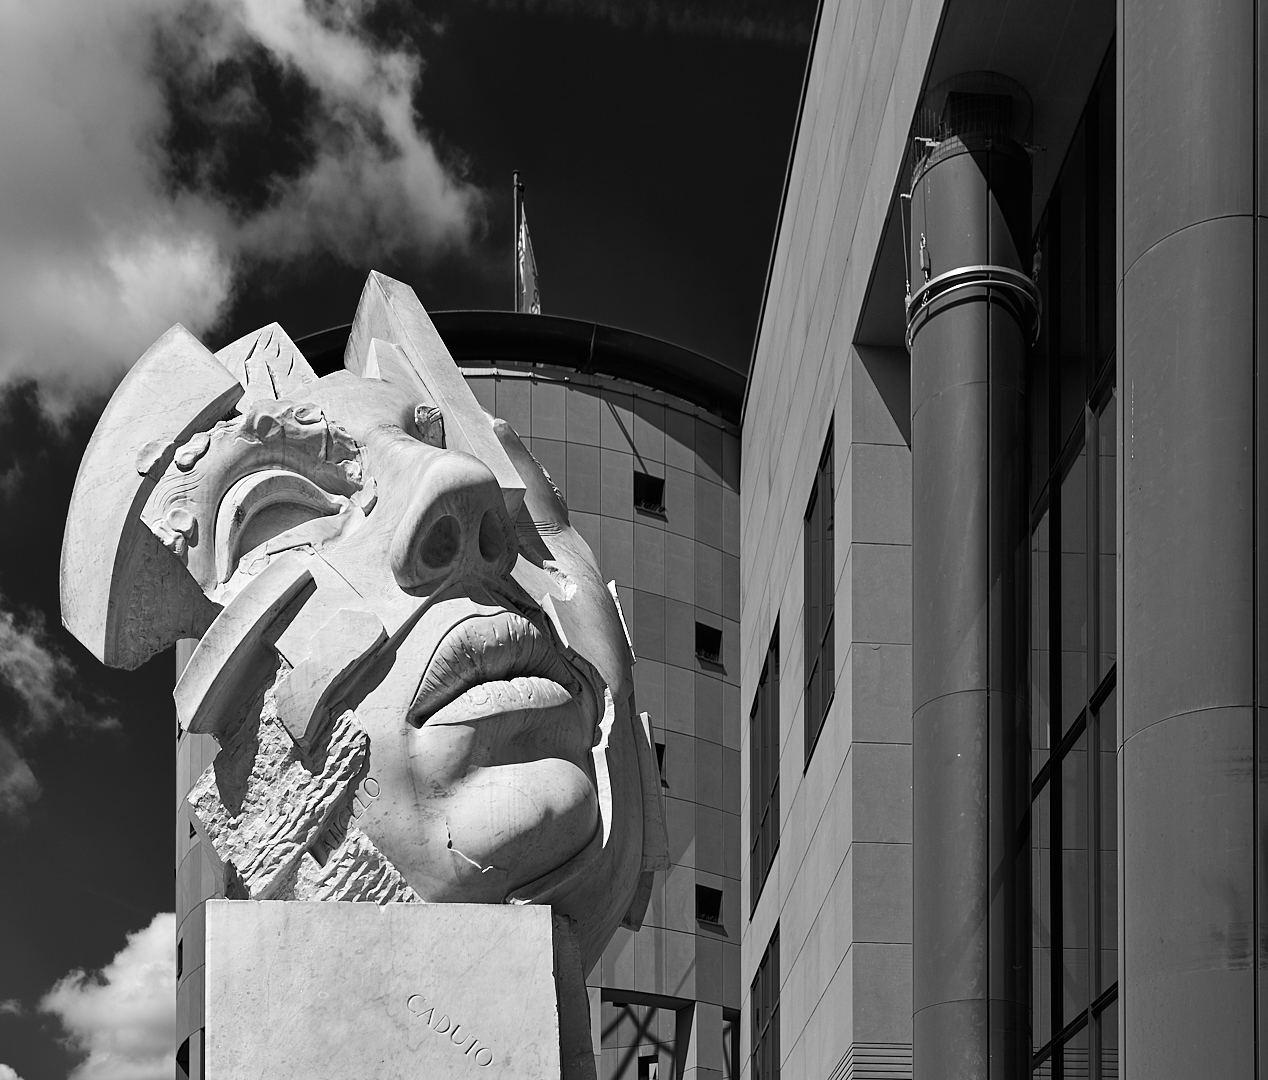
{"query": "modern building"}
(642, 438)
(1002, 496)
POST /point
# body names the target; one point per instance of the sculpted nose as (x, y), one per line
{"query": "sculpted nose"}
(456, 525)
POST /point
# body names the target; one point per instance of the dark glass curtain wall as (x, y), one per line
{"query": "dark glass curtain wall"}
(1072, 610)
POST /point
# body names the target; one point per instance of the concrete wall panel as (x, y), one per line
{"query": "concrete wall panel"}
(1188, 567)
(1188, 116)
(1188, 890)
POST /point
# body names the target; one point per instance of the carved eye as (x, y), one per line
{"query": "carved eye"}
(263, 505)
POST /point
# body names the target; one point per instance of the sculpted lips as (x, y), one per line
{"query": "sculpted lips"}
(494, 664)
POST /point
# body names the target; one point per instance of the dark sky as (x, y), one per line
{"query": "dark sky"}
(652, 139)
(653, 161)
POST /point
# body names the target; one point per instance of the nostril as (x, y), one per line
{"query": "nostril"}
(441, 543)
(492, 541)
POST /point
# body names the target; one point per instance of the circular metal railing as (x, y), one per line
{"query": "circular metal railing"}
(1020, 291)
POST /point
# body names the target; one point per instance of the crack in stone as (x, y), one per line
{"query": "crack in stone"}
(463, 855)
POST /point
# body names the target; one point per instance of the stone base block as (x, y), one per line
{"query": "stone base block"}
(352, 991)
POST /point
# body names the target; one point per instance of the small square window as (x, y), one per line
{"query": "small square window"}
(660, 764)
(708, 643)
(708, 905)
(648, 1067)
(180, 958)
(649, 493)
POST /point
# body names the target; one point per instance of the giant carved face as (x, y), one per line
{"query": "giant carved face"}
(420, 683)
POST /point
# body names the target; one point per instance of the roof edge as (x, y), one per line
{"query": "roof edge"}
(585, 346)
(783, 202)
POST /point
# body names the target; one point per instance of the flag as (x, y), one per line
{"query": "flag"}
(527, 298)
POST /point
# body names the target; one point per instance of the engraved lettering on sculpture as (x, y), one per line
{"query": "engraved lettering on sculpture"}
(415, 1004)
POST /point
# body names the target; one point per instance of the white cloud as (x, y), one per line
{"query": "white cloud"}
(18, 789)
(124, 1016)
(10, 1007)
(44, 681)
(42, 676)
(7, 1073)
(100, 251)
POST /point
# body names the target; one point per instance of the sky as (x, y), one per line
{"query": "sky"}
(228, 163)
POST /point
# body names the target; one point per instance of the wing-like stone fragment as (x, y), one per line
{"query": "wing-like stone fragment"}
(389, 310)
(123, 595)
(234, 647)
(306, 692)
(268, 364)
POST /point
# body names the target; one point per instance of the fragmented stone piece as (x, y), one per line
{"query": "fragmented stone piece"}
(227, 661)
(616, 599)
(185, 510)
(123, 595)
(355, 870)
(295, 639)
(280, 493)
(268, 364)
(388, 363)
(389, 310)
(655, 840)
(264, 805)
(306, 693)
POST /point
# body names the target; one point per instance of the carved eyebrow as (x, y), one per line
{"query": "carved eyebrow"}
(389, 314)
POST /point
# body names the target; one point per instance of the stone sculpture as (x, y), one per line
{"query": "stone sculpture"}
(419, 681)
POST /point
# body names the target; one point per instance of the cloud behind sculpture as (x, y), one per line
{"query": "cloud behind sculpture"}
(18, 786)
(48, 695)
(104, 242)
(122, 1017)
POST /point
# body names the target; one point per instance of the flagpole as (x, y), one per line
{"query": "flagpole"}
(515, 247)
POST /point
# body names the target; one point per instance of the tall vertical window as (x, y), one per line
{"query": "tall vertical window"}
(764, 771)
(1072, 610)
(820, 589)
(765, 1005)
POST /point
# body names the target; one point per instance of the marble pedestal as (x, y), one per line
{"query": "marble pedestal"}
(358, 991)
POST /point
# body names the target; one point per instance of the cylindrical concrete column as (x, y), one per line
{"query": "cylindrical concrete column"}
(1192, 470)
(971, 319)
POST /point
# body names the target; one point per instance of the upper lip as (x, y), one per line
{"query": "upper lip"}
(489, 648)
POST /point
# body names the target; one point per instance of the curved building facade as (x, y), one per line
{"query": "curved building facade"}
(642, 438)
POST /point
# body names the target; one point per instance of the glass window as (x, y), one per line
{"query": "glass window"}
(1073, 573)
(765, 1011)
(1074, 881)
(1070, 317)
(1102, 114)
(1109, 1041)
(1041, 900)
(764, 770)
(1072, 600)
(1107, 780)
(820, 593)
(1074, 1056)
(1040, 662)
(1039, 385)
(1107, 533)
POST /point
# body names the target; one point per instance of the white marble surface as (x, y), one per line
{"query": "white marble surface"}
(368, 992)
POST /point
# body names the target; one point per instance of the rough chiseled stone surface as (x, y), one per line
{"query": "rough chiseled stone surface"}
(272, 812)
(355, 870)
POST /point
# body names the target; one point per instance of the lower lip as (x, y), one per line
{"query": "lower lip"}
(525, 693)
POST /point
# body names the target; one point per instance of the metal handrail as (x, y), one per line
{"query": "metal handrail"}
(969, 277)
